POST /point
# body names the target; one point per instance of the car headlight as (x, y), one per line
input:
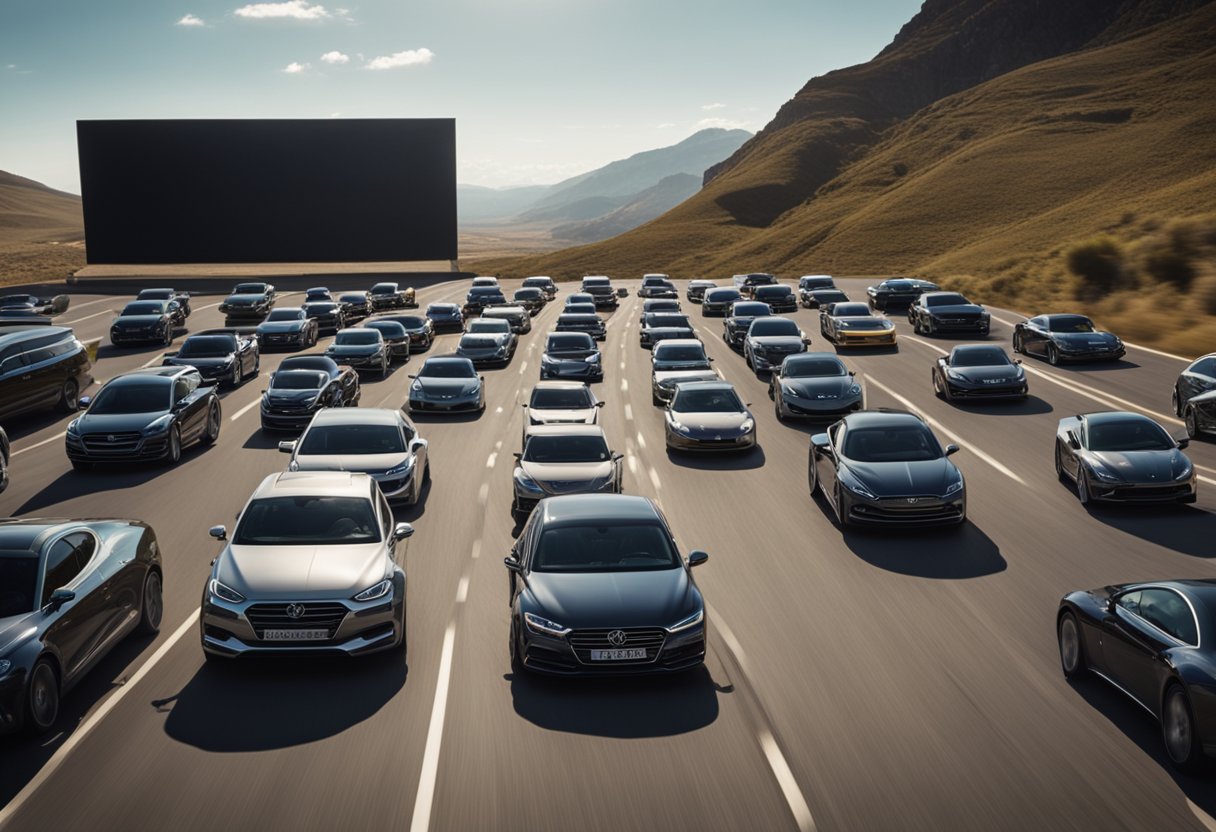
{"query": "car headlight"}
(594, 358)
(416, 387)
(954, 487)
(1102, 474)
(548, 359)
(955, 375)
(686, 623)
(856, 487)
(677, 426)
(400, 470)
(855, 390)
(228, 361)
(380, 590)
(1186, 472)
(159, 425)
(790, 391)
(544, 626)
(74, 428)
(527, 483)
(224, 593)
(747, 426)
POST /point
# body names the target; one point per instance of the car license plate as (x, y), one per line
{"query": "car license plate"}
(632, 654)
(295, 635)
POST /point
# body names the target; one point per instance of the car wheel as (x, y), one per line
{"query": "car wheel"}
(777, 410)
(69, 396)
(384, 367)
(235, 381)
(937, 387)
(257, 365)
(1178, 730)
(1017, 343)
(1059, 460)
(168, 339)
(842, 516)
(42, 698)
(747, 359)
(1072, 651)
(212, 430)
(812, 474)
(1053, 355)
(513, 651)
(1176, 402)
(153, 607)
(174, 454)
(1083, 487)
(1191, 419)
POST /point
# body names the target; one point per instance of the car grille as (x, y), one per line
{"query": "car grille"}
(899, 510)
(584, 641)
(1150, 492)
(116, 443)
(281, 338)
(327, 615)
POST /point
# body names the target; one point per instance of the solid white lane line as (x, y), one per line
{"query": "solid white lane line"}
(785, 779)
(152, 361)
(434, 737)
(628, 412)
(87, 317)
(498, 444)
(523, 367)
(498, 409)
(954, 436)
(96, 717)
(654, 478)
(54, 438)
(244, 410)
(622, 365)
(476, 548)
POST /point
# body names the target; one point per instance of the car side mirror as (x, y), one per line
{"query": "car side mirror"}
(85, 401)
(617, 456)
(852, 372)
(1110, 604)
(951, 449)
(58, 598)
(483, 378)
(513, 565)
(1183, 442)
(401, 531)
(287, 446)
(697, 557)
(518, 455)
(218, 532)
(711, 358)
(1017, 361)
(821, 442)
(600, 404)
(411, 375)
(1073, 441)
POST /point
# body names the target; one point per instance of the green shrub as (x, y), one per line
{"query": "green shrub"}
(1099, 263)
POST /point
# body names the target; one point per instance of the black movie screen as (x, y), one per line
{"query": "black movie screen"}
(268, 191)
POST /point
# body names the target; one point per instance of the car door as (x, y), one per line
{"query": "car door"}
(1034, 336)
(1135, 635)
(190, 405)
(74, 628)
(826, 463)
(1198, 378)
(20, 388)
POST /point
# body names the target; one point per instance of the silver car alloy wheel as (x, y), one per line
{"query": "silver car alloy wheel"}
(1070, 645)
(1177, 726)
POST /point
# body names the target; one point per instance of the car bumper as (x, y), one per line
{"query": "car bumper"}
(1174, 492)
(244, 314)
(574, 369)
(142, 449)
(283, 339)
(988, 391)
(559, 657)
(447, 325)
(713, 309)
(784, 306)
(286, 421)
(709, 443)
(898, 511)
(947, 325)
(12, 700)
(136, 337)
(1092, 355)
(886, 339)
(768, 361)
(394, 302)
(818, 409)
(444, 405)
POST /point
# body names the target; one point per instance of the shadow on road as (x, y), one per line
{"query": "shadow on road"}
(420, 417)
(110, 476)
(265, 704)
(944, 554)
(1030, 406)
(623, 708)
(1182, 528)
(1098, 366)
(23, 426)
(736, 461)
(1145, 732)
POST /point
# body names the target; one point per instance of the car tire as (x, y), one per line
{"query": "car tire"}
(1017, 344)
(257, 365)
(235, 381)
(168, 338)
(1176, 401)
(41, 698)
(152, 607)
(1178, 731)
(842, 516)
(173, 454)
(1053, 355)
(69, 396)
(1059, 461)
(384, 367)
(513, 652)
(212, 430)
(812, 473)
(1083, 494)
(1072, 650)
(1191, 420)
(937, 387)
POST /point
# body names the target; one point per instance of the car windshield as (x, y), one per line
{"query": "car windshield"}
(488, 326)
(569, 343)
(524, 294)
(580, 308)
(485, 292)
(664, 320)
(149, 396)
(614, 548)
(680, 353)
(946, 299)
(277, 315)
(307, 521)
(979, 357)
(447, 369)
(206, 346)
(441, 310)
(718, 400)
(1129, 435)
(353, 298)
(560, 398)
(830, 296)
(750, 310)
(298, 380)
(18, 576)
(1070, 323)
(412, 322)
(899, 286)
(536, 281)
(477, 342)
(894, 443)
(772, 291)
(144, 307)
(567, 448)
(355, 337)
(317, 294)
(249, 289)
(722, 295)
(389, 329)
(384, 288)
(773, 326)
(322, 308)
(865, 323)
(661, 306)
(816, 283)
(850, 310)
(146, 294)
(800, 367)
(352, 439)
(580, 297)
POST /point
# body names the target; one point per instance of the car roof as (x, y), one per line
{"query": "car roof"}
(447, 359)
(167, 373)
(927, 295)
(560, 385)
(706, 384)
(19, 534)
(608, 509)
(1107, 416)
(881, 418)
(445, 306)
(358, 416)
(23, 332)
(565, 430)
(966, 349)
(318, 483)
(814, 356)
(679, 342)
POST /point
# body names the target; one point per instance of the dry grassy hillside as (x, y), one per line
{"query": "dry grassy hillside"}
(41, 231)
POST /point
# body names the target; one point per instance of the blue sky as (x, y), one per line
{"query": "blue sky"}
(540, 89)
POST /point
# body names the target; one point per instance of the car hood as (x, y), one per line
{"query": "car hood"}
(712, 421)
(449, 386)
(244, 300)
(999, 373)
(137, 320)
(369, 463)
(553, 416)
(897, 479)
(280, 326)
(200, 362)
(565, 477)
(1084, 339)
(766, 341)
(571, 355)
(294, 572)
(956, 309)
(353, 349)
(613, 599)
(17, 628)
(1142, 466)
(836, 387)
(117, 422)
(661, 376)
(290, 396)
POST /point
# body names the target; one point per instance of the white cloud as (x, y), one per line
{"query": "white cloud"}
(410, 57)
(294, 68)
(727, 123)
(717, 105)
(190, 20)
(295, 9)
(665, 125)
(335, 57)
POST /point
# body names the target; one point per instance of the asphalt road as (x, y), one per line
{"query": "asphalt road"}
(858, 681)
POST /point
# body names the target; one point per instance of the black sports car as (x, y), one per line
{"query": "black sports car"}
(600, 288)
(162, 293)
(301, 386)
(817, 298)
(317, 293)
(1060, 338)
(660, 326)
(288, 326)
(545, 284)
(598, 587)
(886, 468)
(419, 328)
(978, 371)
(530, 298)
(588, 323)
(657, 286)
(1153, 642)
(391, 296)
(717, 302)
(1198, 378)
(937, 312)
(1123, 457)
(696, 289)
(396, 338)
(674, 362)
(896, 291)
(70, 590)
(249, 301)
(742, 313)
(517, 317)
(447, 384)
(146, 321)
(486, 347)
(445, 317)
(38, 305)
(747, 283)
(814, 385)
(144, 415)
(329, 315)
(41, 368)
(658, 305)
(811, 282)
(355, 306)
(779, 297)
(853, 325)
(571, 355)
(362, 348)
(770, 340)
(221, 356)
(479, 297)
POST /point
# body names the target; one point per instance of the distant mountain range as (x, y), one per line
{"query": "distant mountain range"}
(608, 200)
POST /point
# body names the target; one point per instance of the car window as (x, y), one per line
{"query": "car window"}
(63, 564)
(181, 389)
(1205, 367)
(911, 442)
(386, 516)
(307, 521)
(613, 548)
(1170, 613)
(1128, 435)
(1130, 601)
(1037, 322)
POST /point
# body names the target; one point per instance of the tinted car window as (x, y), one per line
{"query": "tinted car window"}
(803, 367)
(568, 342)
(850, 310)
(206, 346)
(665, 320)
(138, 397)
(1070, 323)
(567, 398)
(353, 439)
(1128, 435)
(604, 549)
(144, 307)
(62, 566)
(750, 309)
(298, 380)
(490, 325)
(566, 449)
(773, 326)
(679, 352)
(1167, 611)
(447, 369)
(357, 338)
(1205, 367)
(307, 521)
(389, 329)
(979, 357)
(285, 315)
(384, 288)
(18, 578)
(706, 401)
(896, 443)
(951, 299)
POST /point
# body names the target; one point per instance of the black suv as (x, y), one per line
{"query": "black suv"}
(41, 368)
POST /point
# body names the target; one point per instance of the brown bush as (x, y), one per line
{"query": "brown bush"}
(1100, 264)
(1204, 290)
